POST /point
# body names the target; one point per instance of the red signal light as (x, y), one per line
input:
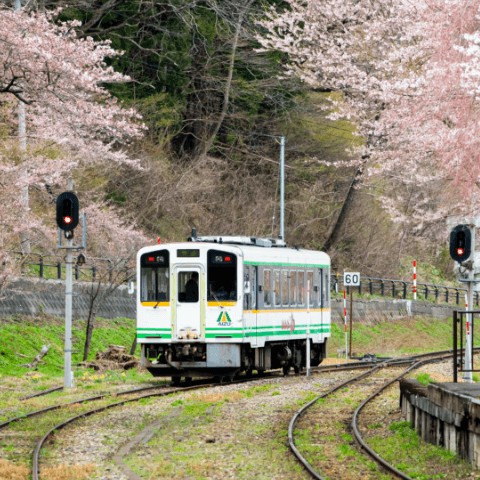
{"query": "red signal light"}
(460, 251)
(67, 220)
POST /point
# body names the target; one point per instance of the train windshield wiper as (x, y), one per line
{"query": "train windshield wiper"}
(215, 297)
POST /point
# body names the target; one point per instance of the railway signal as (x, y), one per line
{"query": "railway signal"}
(462, 250)
(67, 220)
(67, 211)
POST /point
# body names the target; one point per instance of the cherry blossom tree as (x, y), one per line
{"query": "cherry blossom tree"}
(409, 73)
(71, 120)
(116, 243)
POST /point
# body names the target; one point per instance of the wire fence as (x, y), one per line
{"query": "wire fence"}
(404, 290)
(50, 266)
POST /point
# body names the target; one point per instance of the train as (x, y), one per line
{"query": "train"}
(217, 306)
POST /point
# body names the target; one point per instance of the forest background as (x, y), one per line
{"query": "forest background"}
(214, 102)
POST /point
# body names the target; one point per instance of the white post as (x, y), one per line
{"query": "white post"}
(308, 329)
(23, 146)
(414, 279)
(282, 187)
(68, 374)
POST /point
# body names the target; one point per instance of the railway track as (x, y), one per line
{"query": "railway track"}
(135, 395)
(413, 362)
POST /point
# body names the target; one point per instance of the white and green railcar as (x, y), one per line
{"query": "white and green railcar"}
(254, 305)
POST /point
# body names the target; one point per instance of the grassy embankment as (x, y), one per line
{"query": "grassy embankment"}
(23, 337)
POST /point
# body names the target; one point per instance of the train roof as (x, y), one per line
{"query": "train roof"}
(260, 251)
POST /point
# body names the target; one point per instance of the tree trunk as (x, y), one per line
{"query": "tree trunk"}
(335, 233)
(134, 345)
(209, 142)
(89, 332)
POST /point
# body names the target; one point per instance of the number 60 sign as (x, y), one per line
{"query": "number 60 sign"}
(351, 279)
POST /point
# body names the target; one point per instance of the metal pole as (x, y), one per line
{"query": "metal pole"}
(282, 187)
(345, 318)
(351, 322)
(468, 317)
(308, 329)
(455, 360)
(68, 374)
(25, 238)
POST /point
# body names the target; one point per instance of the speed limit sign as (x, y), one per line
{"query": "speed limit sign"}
(351, 279)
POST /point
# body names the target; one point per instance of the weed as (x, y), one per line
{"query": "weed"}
(424, 378)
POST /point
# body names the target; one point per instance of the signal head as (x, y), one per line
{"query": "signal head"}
(461, 243)
(67, 211)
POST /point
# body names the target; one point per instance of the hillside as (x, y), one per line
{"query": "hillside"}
(214, 106)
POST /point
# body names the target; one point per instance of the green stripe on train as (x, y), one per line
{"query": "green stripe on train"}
(279, 264)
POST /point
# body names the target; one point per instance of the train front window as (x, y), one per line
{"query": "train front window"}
(155, 277)
(221, 276)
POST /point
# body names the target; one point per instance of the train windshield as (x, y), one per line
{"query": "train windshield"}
(155, 277)
(221, 276)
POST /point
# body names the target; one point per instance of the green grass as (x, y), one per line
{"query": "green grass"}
(417, 459)
(394, 336)
(23, 337)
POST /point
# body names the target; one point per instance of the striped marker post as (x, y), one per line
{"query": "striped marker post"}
(345, 318)
(414, 279)
(468, 346)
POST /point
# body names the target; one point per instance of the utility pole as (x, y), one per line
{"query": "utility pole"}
(282, 187)
(22, 134)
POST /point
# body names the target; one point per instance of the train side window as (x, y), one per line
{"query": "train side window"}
(267, 289)
(293, 288)
(322, 289)
(326, 288)
(276, 288)
(285, 287)
(301, 284)
(246, 280)
(310, 287)
(253, 287)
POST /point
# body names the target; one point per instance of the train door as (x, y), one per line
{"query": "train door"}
(188, 297)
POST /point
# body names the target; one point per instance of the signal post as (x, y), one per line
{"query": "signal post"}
(462, 250)
(67, 220)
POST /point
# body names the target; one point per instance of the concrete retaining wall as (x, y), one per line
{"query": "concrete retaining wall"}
(29, 297)
(445, 414)
(384, 309)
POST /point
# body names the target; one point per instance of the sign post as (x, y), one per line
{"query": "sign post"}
(350, 279)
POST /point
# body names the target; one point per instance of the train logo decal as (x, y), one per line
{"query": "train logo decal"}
(289, 324)
(224, 320)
